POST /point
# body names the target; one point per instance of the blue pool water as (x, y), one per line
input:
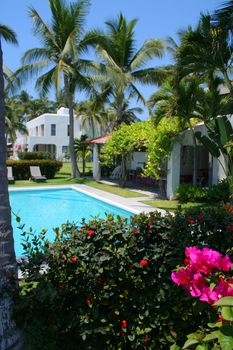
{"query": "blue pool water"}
(51, 208)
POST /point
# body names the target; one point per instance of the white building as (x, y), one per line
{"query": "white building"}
(50, 133)
(180, 163)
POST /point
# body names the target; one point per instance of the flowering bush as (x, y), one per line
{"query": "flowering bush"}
(204, 276)
(107, 283)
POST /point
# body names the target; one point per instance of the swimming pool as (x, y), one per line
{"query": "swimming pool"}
(50, 208)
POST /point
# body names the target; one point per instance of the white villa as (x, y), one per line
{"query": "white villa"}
(50, 133)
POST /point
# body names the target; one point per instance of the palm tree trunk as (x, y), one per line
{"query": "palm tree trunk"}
(194, 154)
(120, 105)
(69, 96)
(123, 178)
(9, 336)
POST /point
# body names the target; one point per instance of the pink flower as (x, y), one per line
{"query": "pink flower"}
(182, 277)
(197, 285)
(226, 263)
(74, 259)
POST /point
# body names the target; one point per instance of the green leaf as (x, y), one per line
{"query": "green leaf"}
(211, 336)
(131, 337)
(209, 144)
(225, 301)
(226, 342)
(202, 347)
(227, 329)
(175, 347)
(227, 313)
(190, 342)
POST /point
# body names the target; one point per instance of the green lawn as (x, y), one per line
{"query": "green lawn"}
(172, 205)
(63, 178)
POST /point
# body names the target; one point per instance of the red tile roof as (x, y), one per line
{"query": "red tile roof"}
(99, 140)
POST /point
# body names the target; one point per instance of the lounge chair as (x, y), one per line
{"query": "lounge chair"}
(10, 176)
(117, 172)
(36, 174)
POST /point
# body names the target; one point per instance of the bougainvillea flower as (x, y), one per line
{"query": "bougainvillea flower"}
(204, 260)
(143, 262)
(74, 259)
(197, 285)
(200, 217)
(91, 232)
(182, 277)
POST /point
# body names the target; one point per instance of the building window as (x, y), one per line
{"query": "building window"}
(42, 129)
(68, 130)
(64, 149)
(53, 129)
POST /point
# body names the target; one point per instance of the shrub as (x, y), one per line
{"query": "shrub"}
(219, 192)
(214, 194)
(108, 282)
(189, 193)
(21, 170)
(34, 155)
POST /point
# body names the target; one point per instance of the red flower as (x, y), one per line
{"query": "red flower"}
(149, 235)
(74, 259)
(124, 324)
(190, 221)
(61, 286)
(200, 217)
(149, 225)
(91, 232)
(101, 280)
(88, 301)
(143, 262)
(230, 227)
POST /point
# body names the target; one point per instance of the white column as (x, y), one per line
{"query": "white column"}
(96, 164)
(173, 171)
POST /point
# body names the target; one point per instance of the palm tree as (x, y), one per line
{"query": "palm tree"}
(179, 99)
(205, 51)
(123, 65)
(60, 56)
(9, 336)
(14, 118)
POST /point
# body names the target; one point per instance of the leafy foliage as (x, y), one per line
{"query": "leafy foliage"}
(107, 282)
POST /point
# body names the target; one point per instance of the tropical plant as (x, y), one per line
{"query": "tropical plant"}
(194, 56)
(179, 99)
(83, 150)
(108, 284)
(219, 142)
(9, 336)
(61, 54)
(126, 139)
(14, 119)
(123, 65)
(91, 115)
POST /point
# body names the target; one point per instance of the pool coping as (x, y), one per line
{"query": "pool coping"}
(133, 205)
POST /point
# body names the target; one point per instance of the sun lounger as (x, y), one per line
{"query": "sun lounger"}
(10, 176)
(36, 174)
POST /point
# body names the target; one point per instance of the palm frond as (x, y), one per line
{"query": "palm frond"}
(150, 49)
(8, 34)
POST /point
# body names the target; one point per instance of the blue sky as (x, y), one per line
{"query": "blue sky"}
(157, 19)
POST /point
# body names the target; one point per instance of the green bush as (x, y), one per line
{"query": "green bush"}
(189, 193)
(34, 155)
(219, 192)
(21, 170)
(108, 285)
(214, 194)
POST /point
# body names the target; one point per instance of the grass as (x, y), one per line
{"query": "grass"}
(172, 205)
(63, 178)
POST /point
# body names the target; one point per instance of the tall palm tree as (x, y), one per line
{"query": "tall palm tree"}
(205, 51)
(122, 64)
(14, 118)
(60, 60)
(9, 336)
(179, 99)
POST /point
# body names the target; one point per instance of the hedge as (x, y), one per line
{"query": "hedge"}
(34, 155)
(108, 285)
(21, 170)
